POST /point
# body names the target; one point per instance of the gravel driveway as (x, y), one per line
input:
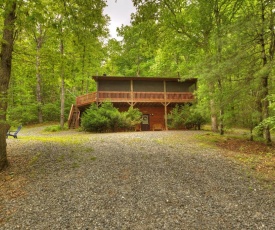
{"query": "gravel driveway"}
(137, 180)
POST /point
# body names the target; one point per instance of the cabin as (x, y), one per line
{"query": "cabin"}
(155, 97)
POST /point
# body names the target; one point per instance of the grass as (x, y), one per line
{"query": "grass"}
(56, 139)
(65, 150)
(55, 128)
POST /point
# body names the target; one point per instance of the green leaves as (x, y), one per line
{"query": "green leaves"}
(107, 118)
(186, 117)
(41, 26)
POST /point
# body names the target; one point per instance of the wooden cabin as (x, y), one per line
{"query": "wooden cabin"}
(155, 97)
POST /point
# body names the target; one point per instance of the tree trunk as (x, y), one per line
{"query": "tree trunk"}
(62, 99)
(83, 69)
(221, 122)
(264, 79)
(265, 110)
(214, 120)
(5, 73)
(39, 42)
(219, 45)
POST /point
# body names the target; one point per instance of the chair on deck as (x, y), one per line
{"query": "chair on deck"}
(14, 133)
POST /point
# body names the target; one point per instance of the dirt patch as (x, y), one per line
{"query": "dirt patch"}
(254, 154)
(12, 182)
(246, 146)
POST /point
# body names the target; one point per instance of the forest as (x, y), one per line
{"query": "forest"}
(51, 48)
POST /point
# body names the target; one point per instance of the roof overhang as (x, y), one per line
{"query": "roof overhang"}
(117, 78)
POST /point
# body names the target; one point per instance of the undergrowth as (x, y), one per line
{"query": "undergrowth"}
(55, 128)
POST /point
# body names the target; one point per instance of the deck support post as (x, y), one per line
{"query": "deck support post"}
(165, 105)
(165, 117)
(132, 93)
(97, 94)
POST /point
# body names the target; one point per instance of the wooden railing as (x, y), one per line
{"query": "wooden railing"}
(86, 99)
(114, 96)
(173, 97)
(148, 97)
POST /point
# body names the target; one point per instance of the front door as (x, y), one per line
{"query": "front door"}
(145, 125)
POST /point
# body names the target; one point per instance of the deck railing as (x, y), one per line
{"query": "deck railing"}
(85, 99)
(100, 96)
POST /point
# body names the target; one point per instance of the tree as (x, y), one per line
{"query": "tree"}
(37, 82)
(44, 28)
(266, 38)
(75, 18)
(7, 41)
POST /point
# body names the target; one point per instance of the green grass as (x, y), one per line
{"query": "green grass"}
(55, 128)
(59, 139)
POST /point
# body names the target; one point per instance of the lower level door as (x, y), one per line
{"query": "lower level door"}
(145, 123)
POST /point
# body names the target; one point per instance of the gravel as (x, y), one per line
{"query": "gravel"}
(135, 180)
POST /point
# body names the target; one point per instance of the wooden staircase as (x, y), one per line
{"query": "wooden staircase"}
(73, 120)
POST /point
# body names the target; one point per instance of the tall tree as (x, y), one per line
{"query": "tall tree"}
(7, 42)
(75, 17)
(266, 39)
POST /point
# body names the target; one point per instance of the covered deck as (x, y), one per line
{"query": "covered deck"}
(134, 97)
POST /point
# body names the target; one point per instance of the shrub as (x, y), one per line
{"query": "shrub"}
(130, 118)
(55, 128)
(195, 120)
(107, 118)
(185, 117)
(92, 121)
(178, 116)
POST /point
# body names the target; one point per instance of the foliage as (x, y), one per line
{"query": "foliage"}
(177, 117)
(107, 118)
(92, 121)
(27, 114)
(51, 111)
(39, 68)
(54, 128)
(267, 122)
(130, 118)
(23, 114)
(229, 49)
(185, 117)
